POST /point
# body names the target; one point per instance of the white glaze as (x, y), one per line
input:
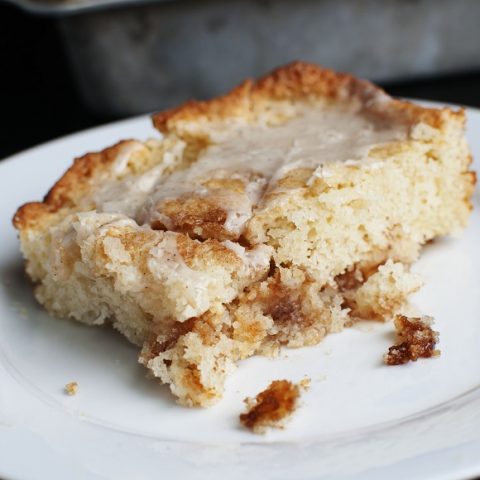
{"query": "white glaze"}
(312, 139)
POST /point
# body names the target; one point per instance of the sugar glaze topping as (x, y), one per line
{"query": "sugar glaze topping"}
(259, 155)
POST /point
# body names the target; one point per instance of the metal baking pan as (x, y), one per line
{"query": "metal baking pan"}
(59, 8)
(132, 56)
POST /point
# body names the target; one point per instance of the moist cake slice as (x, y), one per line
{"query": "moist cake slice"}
(268, 217)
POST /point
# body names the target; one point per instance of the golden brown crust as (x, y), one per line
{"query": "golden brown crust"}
(300, 80)
(66, 191)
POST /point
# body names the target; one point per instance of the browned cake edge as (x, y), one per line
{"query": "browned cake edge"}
(65, 193)
(299, 80)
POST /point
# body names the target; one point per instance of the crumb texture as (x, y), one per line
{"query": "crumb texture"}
(267, 218)
(271, 407)
(71, 388)
(416, 340)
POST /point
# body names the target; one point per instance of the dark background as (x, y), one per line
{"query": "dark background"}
(39, 101)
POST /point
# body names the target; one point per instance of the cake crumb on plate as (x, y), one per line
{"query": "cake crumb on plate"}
(71, 388)
(273, 405)
(417, 340)
(305, 383)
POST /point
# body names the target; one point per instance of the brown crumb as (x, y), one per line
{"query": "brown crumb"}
(417, 340)
(71, 388)
(273, 405)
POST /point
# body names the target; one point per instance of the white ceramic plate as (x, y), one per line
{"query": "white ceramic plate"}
(359, 420)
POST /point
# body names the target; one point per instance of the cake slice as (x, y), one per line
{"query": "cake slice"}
(268, 217)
